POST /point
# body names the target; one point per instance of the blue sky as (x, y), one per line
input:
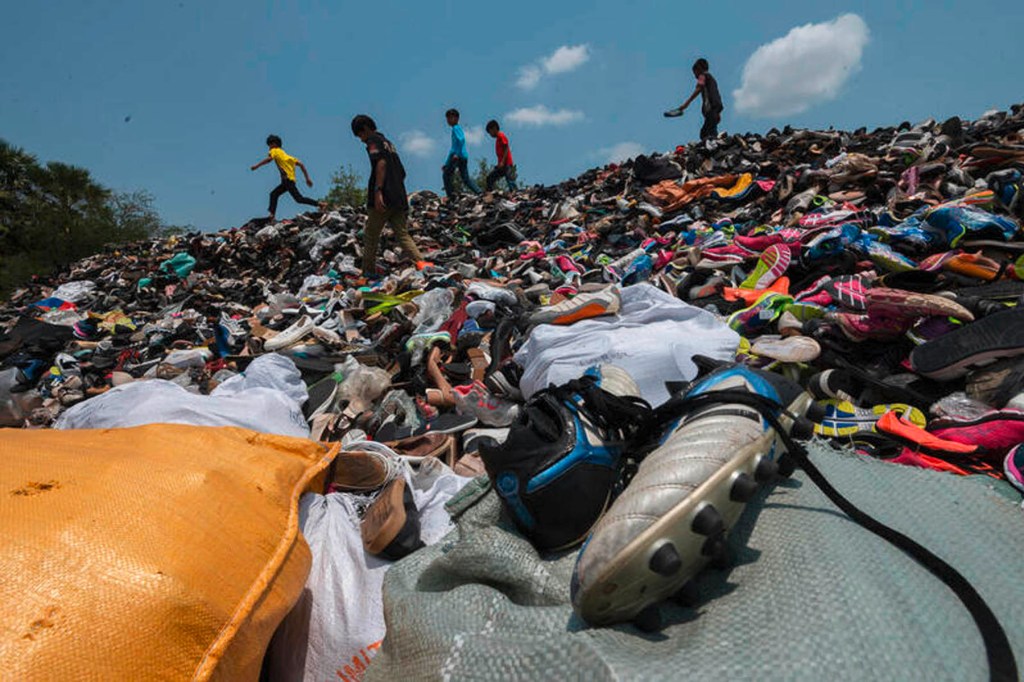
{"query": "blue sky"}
(204, 82)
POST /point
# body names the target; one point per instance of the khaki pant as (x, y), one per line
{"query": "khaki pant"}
(375, 221)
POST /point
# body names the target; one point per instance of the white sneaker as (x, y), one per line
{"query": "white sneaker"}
(302, 328)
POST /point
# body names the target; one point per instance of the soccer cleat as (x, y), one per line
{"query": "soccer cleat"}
(673, 517)
(555, 471)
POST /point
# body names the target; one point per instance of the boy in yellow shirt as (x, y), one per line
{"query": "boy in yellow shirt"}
(286, 166)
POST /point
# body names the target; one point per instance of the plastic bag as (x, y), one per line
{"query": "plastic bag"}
(362, 385)
(435, 307)
(267, 398)
(958, 406)
(337, 626)
(74, 291)
(15, 407)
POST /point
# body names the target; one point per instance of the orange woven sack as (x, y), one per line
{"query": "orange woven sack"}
(157, 552)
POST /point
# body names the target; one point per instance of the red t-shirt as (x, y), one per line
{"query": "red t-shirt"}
(502, 149)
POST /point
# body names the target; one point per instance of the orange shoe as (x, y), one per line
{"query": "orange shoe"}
(750, 296)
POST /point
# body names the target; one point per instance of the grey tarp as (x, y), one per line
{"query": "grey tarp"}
(813, 596)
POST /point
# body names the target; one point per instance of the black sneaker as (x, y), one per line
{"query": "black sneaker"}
(556, 470)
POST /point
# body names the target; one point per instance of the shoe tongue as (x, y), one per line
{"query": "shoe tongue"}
(544, 419)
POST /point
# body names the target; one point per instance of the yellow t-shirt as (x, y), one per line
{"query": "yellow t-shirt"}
(284, 162)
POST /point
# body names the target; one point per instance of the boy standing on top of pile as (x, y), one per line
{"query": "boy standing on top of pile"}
(286, 166)
(505, 168)
(458, 157)
(711, 100)
(386, 200)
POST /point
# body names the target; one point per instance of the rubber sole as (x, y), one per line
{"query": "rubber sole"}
(1001, 290)
(656, 564)
(852, 419)
(983, 341)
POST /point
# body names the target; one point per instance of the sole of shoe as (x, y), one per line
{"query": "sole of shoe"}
(950, 356)
(586, 312)
(657, 563)
(857, 419)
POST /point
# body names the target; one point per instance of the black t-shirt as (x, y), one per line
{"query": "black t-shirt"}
(380, 147)
(711, 100)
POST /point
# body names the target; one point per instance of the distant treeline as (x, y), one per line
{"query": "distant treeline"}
(54, 214)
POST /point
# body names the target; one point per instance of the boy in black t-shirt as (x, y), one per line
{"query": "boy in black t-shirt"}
(386, 200)
(711, 100)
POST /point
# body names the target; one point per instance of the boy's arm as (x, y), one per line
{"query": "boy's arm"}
(264, 162)
(381, 167)
(298, 163)
(696, 91)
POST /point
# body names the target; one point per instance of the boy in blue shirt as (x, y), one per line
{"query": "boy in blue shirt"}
(458, 157)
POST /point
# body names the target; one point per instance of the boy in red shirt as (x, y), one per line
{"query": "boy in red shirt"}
(505, 168)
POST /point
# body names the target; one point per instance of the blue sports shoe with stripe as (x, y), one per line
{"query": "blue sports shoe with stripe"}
(556, 470)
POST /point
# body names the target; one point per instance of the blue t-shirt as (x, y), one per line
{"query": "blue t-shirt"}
(458, 143)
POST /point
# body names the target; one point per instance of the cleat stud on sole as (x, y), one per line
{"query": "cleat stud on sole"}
(743, 488)
(708, 521)
(717, 551)
(648, 620)
(803, 429)
(687, 596)
(765, 470)
(666, 561)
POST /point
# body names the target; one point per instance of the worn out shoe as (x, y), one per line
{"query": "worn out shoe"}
(672, 518)
(581, 307)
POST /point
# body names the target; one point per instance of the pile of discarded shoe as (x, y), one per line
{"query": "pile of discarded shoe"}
(864, 286)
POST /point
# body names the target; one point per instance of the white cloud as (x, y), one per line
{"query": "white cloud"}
(418, 143)
(807, 66)
(566, 58)
(622, 151)
(529, 76)
(540, 115)
(474, 134)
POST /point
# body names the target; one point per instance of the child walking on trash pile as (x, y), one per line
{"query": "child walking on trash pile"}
(386, 200)
(458, 158)
(711, 101)
(286, 166)
(505, 168)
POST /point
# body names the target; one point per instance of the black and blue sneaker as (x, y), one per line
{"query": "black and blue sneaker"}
(556, 470)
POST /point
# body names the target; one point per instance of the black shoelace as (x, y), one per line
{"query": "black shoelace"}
(1001, 662)
(618, 419)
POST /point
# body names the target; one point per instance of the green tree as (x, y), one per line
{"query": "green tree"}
(54, 214)
(482, 170)
(134, 215)
(347, 188)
